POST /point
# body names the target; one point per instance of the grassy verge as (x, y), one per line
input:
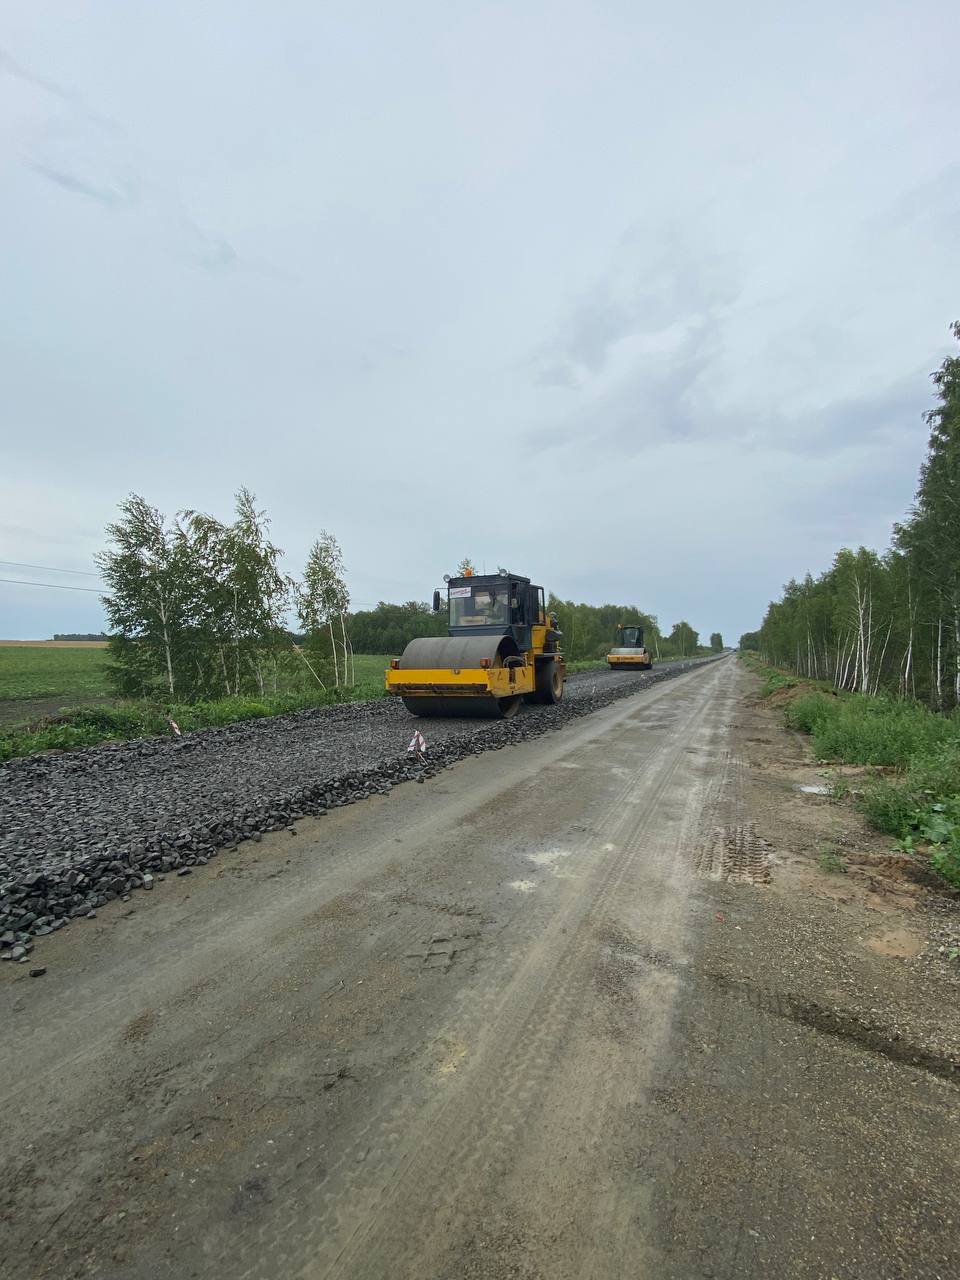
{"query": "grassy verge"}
(917, 797)
(86, 726)
(776, 678)
(80, 675)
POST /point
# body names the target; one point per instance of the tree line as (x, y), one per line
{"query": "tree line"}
(888, 621)
(198, 608)
(588, 630)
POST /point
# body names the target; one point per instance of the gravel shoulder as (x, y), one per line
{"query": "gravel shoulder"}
(578, 1007)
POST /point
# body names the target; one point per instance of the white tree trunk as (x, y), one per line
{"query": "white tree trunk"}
(883, 652)
(166, 641)
(864, 617)
(906, 679)
(346, 657)
(333, 650)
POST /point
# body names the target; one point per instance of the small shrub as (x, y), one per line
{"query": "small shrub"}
(889, 806)
(831, 862)
(839, 787)
(937, 773)
(775, 681)
(808, 711)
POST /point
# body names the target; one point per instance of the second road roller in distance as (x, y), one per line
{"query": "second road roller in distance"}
(629, 652)
(502, 648)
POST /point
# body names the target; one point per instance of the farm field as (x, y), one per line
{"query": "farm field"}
(41, 678)
(37, 679)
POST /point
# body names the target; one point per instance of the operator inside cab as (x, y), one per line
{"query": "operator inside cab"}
(490, 605)
(479, 607)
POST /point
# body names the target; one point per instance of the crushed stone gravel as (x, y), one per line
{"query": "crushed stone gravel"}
(78, 829)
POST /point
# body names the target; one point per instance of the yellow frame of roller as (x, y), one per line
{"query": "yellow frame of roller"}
(622, 660)
(493, 682)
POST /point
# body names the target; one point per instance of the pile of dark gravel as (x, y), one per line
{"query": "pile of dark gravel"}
(78, 829)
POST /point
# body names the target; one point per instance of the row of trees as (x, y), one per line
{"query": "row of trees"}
(888, 622)
(588, 630)
(199, 608)
(389, 628)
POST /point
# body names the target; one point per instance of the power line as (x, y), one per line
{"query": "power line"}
(57, 586)
(47, 568)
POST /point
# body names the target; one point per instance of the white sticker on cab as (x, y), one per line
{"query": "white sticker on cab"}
(459, 593)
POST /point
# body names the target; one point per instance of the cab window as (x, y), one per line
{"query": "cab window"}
(479, 606)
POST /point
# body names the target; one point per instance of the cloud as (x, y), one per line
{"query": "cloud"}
(111, 196)
(936, 201)
(89, 155)
(14, 69)
(700, 278)
(662, 281)
(637, 343)
(562, 374)
(207, 249)
(64, 93)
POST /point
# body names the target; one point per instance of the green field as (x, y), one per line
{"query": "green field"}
(37, 672)
(69, 685)
(29, 673)
(370, 666)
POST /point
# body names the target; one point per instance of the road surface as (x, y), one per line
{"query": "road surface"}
(470, 1029)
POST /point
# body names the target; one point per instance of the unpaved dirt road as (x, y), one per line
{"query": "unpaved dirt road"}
(546, 1015)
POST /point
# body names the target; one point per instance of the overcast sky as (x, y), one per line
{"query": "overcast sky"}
(638, 299)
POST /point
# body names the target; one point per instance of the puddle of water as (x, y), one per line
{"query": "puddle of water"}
(817, 790)
(523, 886)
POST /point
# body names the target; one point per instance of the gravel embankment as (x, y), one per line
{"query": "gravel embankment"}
(79, 829)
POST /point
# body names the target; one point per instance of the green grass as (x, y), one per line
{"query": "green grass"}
(775, 678)
(831, 862)
(86, 726)
(917, 799)
(370, 667)
(33, 675)
(28, 672)
(859, 729)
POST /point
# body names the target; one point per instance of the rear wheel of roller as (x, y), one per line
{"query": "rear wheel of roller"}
(509, 706)
(549, 684)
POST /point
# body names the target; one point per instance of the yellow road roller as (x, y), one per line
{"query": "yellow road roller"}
(629, 653)
(502, 648)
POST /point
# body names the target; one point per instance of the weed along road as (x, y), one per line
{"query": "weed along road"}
(550, 1014)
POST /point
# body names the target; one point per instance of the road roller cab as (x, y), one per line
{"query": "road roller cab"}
(502, 648)
(629, 652)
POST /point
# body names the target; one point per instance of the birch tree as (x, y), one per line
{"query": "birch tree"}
(147, 601)
(322, 601)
